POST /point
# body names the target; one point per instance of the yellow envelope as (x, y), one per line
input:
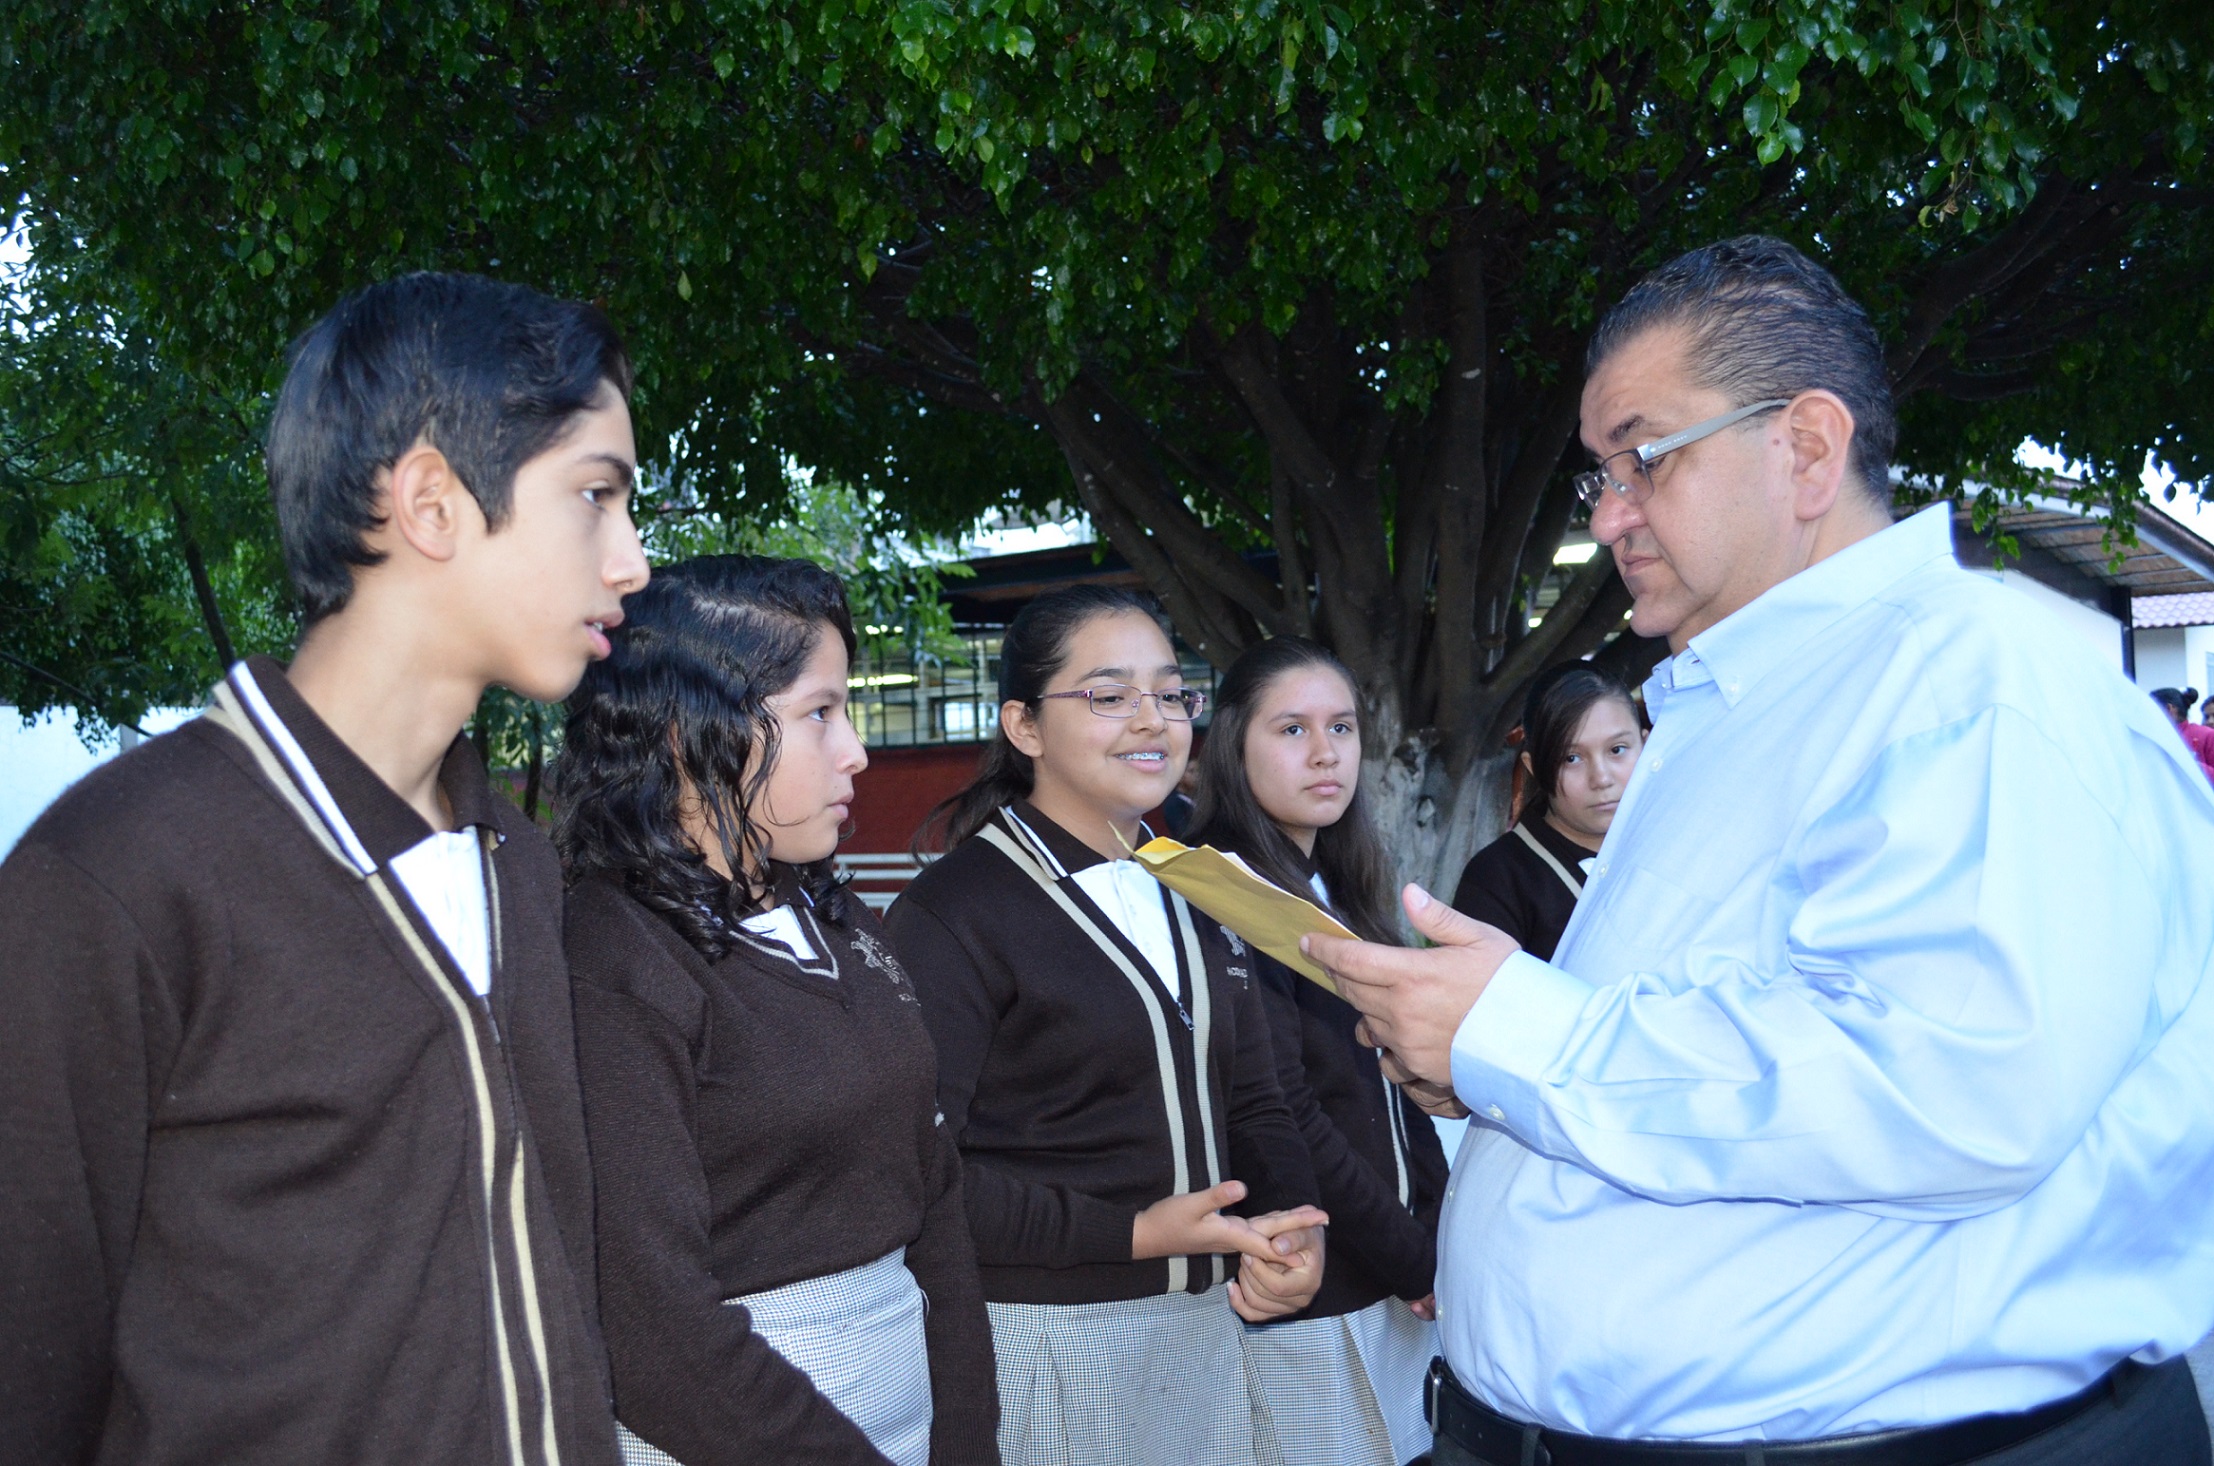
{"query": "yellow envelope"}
(1227, 889)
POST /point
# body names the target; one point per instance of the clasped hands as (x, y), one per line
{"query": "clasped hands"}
(1279, 1254)
(1413, 1000)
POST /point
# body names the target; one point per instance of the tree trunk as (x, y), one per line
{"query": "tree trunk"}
(1431, 821)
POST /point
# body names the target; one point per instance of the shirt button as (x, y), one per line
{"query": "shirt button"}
(1497, 1114)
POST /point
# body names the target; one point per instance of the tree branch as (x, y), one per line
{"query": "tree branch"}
(1533, 652)
(1212, 633)
(1522, 497)
(1291, 564)
(1111, 440)
(203, 588)
(1461, 501)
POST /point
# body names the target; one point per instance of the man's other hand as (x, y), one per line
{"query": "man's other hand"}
(1413, 1000)
(1435, 1100)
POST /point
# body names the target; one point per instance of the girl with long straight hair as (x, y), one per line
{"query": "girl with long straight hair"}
(1105, 1066)
(785, 1266)
(1581, 737)
(1279, 786)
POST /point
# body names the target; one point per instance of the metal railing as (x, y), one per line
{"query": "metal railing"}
(902, 700)
(878, 879)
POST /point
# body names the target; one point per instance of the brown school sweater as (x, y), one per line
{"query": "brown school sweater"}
(757, 1120)
(1080, 1088)
(1512, 887)
(279, 1187)
(1379, 1167)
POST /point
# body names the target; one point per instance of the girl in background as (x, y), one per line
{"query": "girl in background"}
(1279, 785)
(1104, 1064)
(776, 1199)
(1580, 740)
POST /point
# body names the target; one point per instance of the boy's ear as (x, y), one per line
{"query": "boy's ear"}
(430, 507)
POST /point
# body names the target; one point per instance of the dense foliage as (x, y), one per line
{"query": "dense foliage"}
(1237, 275)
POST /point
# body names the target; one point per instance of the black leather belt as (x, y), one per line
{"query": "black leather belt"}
(1457, 1416)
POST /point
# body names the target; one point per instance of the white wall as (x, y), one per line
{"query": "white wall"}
(2198, 658)
(2163, 659)
(41, 758)
(2176, 656)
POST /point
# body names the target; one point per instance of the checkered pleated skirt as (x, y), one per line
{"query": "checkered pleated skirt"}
(859, 1336)
(1347, 1391)
(1160, 1381)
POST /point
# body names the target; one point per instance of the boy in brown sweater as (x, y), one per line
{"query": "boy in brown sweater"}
(289, 1120)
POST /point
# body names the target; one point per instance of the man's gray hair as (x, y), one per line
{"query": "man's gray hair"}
(1766, 321)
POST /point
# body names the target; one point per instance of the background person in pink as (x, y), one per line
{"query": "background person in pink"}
(2198, 737)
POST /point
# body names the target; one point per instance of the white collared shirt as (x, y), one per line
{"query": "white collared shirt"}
(1131, 899)
(444, 876)
(782, 924)
(1873, 1083)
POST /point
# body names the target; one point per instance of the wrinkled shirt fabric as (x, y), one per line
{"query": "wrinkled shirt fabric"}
(1872, 1085)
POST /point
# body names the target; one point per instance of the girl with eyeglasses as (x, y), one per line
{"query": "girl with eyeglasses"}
(785, 1269)
(1105, 1066)
(1279, 786)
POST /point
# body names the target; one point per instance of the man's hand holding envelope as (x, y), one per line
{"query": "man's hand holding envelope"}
(1413, 1000)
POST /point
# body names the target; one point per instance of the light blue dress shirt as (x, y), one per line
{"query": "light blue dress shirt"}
(1873, 1082)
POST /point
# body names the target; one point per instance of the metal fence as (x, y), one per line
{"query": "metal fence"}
(900, 700)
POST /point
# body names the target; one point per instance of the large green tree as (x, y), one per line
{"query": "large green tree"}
(1235, 275)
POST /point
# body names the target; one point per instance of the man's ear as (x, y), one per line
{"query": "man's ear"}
(1020, 728)
(1819, 429)
(430, 508)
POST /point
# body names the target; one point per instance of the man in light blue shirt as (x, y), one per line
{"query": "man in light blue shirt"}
(1869, 1099)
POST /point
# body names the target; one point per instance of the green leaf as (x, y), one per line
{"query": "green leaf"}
(1761, 114)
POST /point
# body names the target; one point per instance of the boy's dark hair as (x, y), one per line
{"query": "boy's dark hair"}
(1034, 647)
(491, 374)
(1766, 321)
(680, 703)
(1226, 814)
(1551, 714)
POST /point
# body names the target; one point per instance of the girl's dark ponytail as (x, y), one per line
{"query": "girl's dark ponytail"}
(1033, 650)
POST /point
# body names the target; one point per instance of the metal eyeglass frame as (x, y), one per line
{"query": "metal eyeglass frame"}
(1592, 483)
(1192, 696)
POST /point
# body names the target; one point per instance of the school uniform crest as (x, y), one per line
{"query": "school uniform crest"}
(875, 954)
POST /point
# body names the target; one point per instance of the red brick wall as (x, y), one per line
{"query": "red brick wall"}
(899, 788)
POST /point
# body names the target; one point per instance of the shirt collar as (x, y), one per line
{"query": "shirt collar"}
(1565, 850)
(1073, 854)
(386, 824)
(1738, 651)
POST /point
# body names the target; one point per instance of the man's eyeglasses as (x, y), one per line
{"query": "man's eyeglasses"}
(1592, 484)
(1179, 705)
